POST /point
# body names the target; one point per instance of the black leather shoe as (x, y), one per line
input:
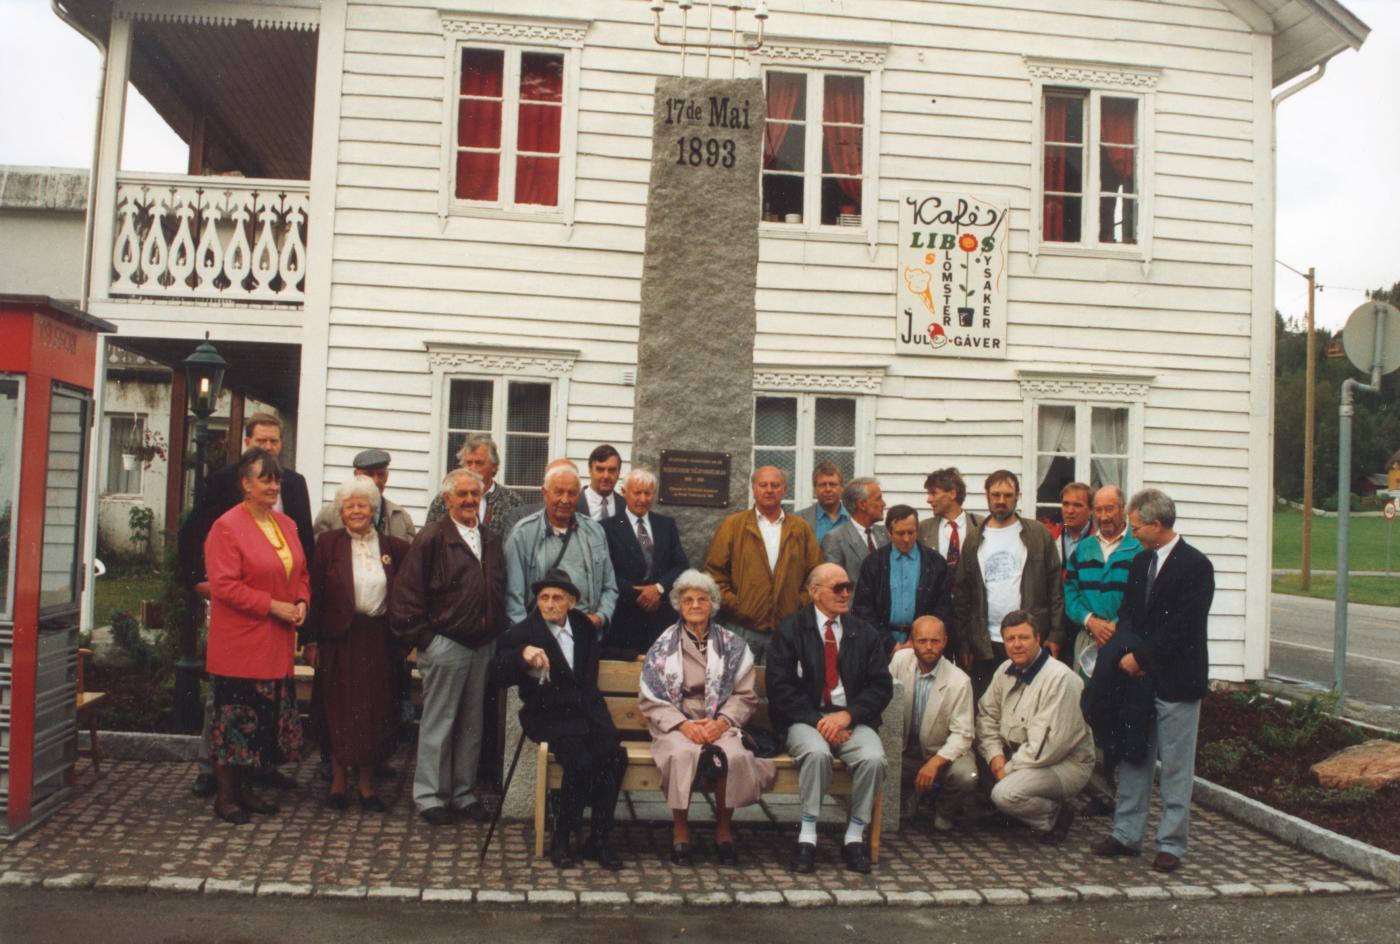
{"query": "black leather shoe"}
(804, 859)
(273, 777)
(236, 816)
(559, 852)
(436, 816)
(334, 801)
(371, 803)
(598, 849)
(475, 811)
(726, 854)
(204, 785)
(1060, 830)
(253, 804)
(856, 858)
(682, 854)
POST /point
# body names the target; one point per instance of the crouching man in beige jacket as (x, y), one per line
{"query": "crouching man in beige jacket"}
(1032, 734)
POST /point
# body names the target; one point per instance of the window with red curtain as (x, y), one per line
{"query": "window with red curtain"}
(509, 120)
(1118, 190)
(843, 121)
(813, 148)
(784, 147)
(1063, 183)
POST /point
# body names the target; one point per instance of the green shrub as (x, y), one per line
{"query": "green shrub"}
(1220, 758)
(1321, 796)
(126, 633)
(1303, 720)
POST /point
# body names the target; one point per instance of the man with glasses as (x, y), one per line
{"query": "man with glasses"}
(828, 684)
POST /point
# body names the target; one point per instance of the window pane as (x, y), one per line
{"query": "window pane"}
(1055, 429)
(784, 146)
(1118, 169)
(9, 472)
(541, 77)
(1052, 474)
(782, 198)
(478, 175)
(787, 96)
(58, 582)
(528, 408)
(125, 433)
(1061, 219)
(1118, 121)
(835, 423)
(844, 99)
(469, 406)
(539, 129)
(845, 460)
(525, 459)
(1064, 169)
(537, 181)
(775, 422)
(478, 123)
(1064, 119)
(1117, 220)
(841, 201)
(785, 459)
(1108, 431)
(449, 461)
(841, 150)
(482, 71)
(1109, 472)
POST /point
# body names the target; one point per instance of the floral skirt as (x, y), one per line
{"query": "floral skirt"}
(256, 722)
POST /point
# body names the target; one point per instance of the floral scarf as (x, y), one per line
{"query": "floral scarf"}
(727, 659)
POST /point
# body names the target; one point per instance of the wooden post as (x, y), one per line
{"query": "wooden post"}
(197, 130)
(1309, 406)
(175, 455)
(233, 442)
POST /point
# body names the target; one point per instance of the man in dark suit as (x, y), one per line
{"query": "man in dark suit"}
(221, 492)
(647, 557)
(552, 655)
(902, 581)
(1166, 604)
(828, 684)
(600, 500)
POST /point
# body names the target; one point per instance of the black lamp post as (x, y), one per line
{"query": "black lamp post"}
(204, 379)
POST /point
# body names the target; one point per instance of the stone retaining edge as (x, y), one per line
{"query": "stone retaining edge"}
(1367, 859)
(143, 745)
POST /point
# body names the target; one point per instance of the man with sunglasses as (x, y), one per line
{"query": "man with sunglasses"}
(828, 684)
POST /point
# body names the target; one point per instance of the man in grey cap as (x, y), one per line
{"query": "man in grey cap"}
(390, 520)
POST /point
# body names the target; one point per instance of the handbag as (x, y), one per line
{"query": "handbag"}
(711, 770)
(760, 742)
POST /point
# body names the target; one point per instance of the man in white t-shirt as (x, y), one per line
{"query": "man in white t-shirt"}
(1008, 563)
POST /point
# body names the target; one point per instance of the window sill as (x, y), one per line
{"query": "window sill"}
(827, 234)
(1133, 254)
(500, 213)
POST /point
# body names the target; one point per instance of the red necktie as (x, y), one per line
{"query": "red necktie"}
(833, 671)
(954, 545)
(869, 541)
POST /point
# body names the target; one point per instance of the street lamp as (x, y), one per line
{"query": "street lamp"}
(204, 379)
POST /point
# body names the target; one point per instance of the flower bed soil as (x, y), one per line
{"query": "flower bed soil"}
(133, 698)
(1273, 776)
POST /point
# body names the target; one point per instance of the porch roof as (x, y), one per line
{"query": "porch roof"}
(270, 373)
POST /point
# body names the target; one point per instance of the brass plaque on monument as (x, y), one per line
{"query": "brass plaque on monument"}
(694, 478)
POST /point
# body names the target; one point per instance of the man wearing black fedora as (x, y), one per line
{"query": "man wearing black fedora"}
(552, 655)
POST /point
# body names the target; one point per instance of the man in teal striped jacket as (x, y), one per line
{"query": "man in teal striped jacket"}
(1096, 575)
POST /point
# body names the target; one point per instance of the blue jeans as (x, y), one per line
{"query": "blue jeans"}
(1172, 739)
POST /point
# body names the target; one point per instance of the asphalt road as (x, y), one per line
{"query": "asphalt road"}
(1302, 640)
(36, 916)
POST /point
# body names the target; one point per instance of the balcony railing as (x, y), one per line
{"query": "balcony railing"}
(210, 238)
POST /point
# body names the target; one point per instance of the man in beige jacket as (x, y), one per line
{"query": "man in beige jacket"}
(1032, 734)
(760, 557)
(938, 726)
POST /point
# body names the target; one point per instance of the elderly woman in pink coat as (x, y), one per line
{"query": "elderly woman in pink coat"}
(697, 692)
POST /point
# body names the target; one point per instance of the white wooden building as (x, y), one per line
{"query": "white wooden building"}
(445, 261)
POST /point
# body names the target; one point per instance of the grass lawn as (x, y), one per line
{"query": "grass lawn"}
(1367, 543)
(124, 590)
(1376, 590)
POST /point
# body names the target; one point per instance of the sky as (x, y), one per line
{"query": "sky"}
(1338, 147)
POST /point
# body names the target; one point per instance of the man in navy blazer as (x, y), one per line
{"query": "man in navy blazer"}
(644, 575)
(1166, 605)
(600, 500)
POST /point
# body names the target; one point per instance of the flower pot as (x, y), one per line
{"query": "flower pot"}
(129, 461)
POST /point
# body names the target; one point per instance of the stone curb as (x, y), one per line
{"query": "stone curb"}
(142, 745)
(1379, 864)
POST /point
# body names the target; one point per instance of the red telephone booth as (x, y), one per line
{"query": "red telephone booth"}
(47, 360)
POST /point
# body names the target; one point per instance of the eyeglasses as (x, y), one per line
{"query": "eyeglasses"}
(844, 586)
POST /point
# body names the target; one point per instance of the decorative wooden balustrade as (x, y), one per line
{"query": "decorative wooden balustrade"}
(210, 238)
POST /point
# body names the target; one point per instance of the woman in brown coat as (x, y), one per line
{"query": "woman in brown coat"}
(348, 640)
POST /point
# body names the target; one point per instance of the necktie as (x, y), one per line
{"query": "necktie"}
(603, 509)
(869, 541)
(954, 545)
(644, 540)
(486, 517)
(1151, 575)
(833, 671)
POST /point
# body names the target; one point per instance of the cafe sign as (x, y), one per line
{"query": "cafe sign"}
(951, 284)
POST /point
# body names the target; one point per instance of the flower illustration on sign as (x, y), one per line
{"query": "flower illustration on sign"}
(967, 242)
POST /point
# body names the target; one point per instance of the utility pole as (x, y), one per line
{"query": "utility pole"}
(1309, 401)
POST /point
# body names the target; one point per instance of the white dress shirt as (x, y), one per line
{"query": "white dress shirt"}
(945, 532)
(564, 635)
(600, 506)
(772, 532)
(471, 535)
(838, 694)
(632, 520)
(371, 585)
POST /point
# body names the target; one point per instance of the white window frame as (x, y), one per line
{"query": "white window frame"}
(109, 447)
(816, 62)
(808, 382)
(17, 452)
(513, 36)
(1098, 79)
(448, 362)
(1083, 391)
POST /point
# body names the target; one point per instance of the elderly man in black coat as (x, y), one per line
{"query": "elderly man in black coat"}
(552, 655)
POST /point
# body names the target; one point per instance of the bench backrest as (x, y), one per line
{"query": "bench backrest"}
(620, 681)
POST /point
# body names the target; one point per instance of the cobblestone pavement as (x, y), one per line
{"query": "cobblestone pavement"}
(137, 826)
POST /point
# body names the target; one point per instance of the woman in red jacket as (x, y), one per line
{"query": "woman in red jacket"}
(348, 640)
(258, 594)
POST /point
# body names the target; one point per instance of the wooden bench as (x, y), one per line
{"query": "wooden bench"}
(619, 683)
(88, 703)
